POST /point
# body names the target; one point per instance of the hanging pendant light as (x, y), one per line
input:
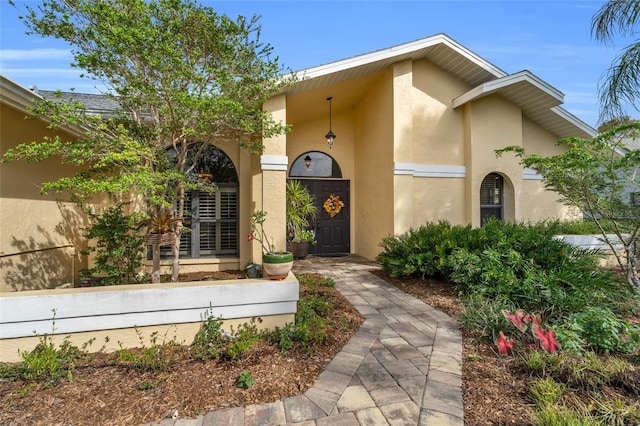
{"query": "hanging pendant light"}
(330, 135)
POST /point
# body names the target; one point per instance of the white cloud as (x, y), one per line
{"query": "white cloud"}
(34, 54)
(41, 72)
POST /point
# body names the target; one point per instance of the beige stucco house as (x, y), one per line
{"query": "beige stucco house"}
(416, 125)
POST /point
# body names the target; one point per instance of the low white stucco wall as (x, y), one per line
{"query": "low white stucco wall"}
(590, 242)
(93, 310)
(596, 242)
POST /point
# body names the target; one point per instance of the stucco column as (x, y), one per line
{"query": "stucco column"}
(402, 145)
(273, 165)
(482, 138)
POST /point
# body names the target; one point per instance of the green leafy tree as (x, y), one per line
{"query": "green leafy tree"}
(601, 177)
(118, 248)
(183, 77)
(621, 85)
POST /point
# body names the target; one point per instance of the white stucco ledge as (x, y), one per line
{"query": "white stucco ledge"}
(590, 242)
(125, 306)
(274, 162)
(429, 170)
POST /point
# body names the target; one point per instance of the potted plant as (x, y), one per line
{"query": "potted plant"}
(160, 232)
(160, 229)
(276, 264)
(300, 247)
(301, 209)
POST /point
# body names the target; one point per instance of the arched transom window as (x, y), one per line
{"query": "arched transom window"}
(212, 217)
(315, 164)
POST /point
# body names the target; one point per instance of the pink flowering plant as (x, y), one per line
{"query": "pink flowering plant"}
(532, 332)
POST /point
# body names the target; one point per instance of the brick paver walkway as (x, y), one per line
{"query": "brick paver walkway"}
(403, 366)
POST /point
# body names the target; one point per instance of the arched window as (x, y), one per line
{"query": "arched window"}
(491, 198)
(212, 218)
(315, 164)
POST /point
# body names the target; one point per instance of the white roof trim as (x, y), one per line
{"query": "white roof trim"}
(402, 49)
(495, 86)
(16, 95)
(566, 115)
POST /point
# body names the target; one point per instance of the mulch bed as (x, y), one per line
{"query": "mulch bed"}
(105, 392)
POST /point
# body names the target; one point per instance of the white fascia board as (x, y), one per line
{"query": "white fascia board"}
(21, 98)
(274, 162)
(495, 86)
(488, 66)
(402, 49)
(16, 95)
(432, 171)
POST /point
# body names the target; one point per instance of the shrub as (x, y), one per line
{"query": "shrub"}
(552, 415)
(309, 326)
(45, 361)
(486, 315)
(546, 391)
(578, 227)
(156, 357)
(423, 252)
(520, 262)
(315, 280)
(242, 340)
(602, 331)
(119, 245)
(210, 341)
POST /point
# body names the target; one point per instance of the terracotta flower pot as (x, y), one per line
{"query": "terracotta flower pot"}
(277, 265)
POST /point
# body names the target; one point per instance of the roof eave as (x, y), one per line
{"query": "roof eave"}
(22, 99)
(16, 95)
(585, 131)
(538, 100)
(370, 62)
(500, 84)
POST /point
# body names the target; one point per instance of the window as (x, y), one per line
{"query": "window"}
(315, 164)
(211, 219)
(491, 198)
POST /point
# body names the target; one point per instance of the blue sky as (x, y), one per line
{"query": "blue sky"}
(549, 38)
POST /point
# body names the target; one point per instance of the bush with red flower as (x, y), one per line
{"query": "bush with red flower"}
(532, 333)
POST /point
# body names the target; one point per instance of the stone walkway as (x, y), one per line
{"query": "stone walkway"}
(403, 366)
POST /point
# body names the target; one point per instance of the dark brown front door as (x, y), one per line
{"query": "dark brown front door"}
(332, 233)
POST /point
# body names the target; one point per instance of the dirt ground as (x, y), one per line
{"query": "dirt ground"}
(103, 392)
